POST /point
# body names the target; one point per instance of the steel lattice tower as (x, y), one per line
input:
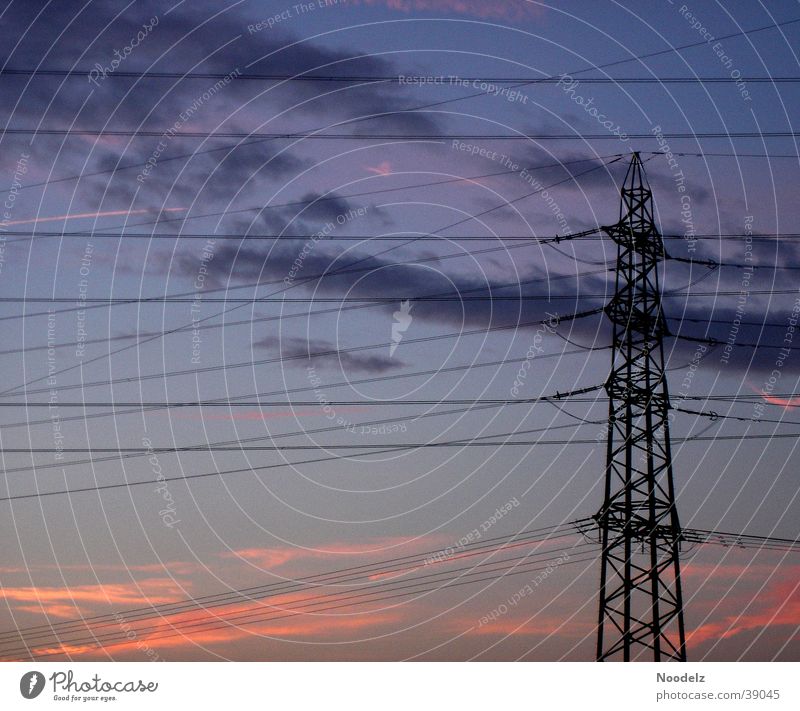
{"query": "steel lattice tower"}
(641, 607)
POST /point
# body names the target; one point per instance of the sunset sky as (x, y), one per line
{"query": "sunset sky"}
(413, 164)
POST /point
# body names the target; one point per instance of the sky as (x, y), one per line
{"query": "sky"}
(153, 213)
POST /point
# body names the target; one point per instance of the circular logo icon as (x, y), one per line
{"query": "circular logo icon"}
(31, 684)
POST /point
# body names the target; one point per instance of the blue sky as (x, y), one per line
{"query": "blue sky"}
(98, 552)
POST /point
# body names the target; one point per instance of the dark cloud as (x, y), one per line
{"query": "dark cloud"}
(186, 39)
(245, 262)
(368, 275)
(325, 354)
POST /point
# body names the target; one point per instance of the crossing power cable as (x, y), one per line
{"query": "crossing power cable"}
(235, 444)
(300, 314)
(400, 564)
(408, 80)
(295, 136)
(311, 278)
(478, 94)
(258, 237)
(388, 450)
(303, 356)
(340, 576)
(338, 351)
(301, 282)
(363, 593)
(235, 399)
(388, 590)
(323, 199)
(283, 435)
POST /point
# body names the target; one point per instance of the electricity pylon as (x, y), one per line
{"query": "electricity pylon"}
(641, 607)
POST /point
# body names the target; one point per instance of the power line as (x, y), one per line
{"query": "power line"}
(292, 404)
(227, 403)
(388, 79)
(279, 317)
(256, 237)
(394, 594)
(340, 576)
(480, 441)
(282, 435)
(321, 312)
(740, 397)
(741, 540)
(388, 450)
(205, 135)
(267, 300)
(311, 355)
(717, 342)
(307, 388)
(476, 404)
(131, 166)
(393, 565)
(344, 577)
(324, 198)
(204, 475)
(380, 299)
(315, 277)
(363, 595)
(464, 442)
(162, 220)
(727, 322)
(713, 264)
(707, 154)
(335, 352)
(478, 94)
(334, 272)
(384, 421)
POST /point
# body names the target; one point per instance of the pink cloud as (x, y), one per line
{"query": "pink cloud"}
(160, 635)
(89, 215)
(269, 414)
(384, 168)
(786, 403)
(538, 625)
(778, 604)
(268, 558)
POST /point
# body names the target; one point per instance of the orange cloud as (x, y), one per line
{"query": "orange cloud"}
(49, 610)
(178, 567)
(55, 600)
